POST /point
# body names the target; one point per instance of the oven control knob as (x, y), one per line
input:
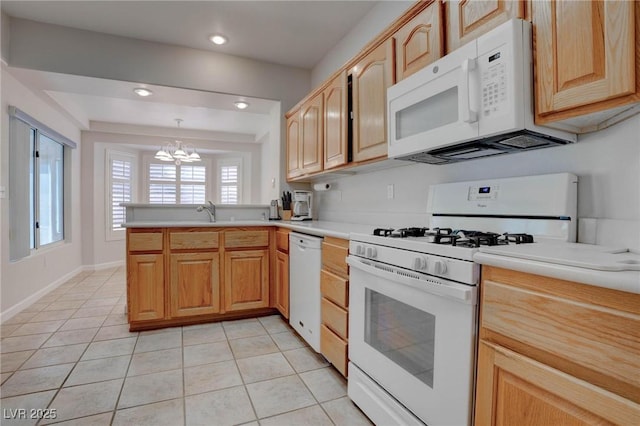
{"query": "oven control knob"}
(419, 263)
(439, 267)
(360, 250)
(372, 252)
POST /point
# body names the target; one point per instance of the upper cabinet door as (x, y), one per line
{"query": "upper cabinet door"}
(370, 78)
(311, 134)
(584, 54)
(467, 20)
(335, 123)
(420, 41)
(293, 145)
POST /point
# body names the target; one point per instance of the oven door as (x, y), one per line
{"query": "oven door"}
(414, 335)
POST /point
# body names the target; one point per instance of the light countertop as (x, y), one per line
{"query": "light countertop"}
(313, 227)
(601, 266)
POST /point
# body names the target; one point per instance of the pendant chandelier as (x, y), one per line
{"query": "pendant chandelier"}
(177, 151)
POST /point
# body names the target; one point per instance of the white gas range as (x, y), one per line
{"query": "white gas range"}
(413, 293)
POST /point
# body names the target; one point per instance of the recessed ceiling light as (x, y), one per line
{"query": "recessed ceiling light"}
(141, 91)
(241, 104)
(218, 39)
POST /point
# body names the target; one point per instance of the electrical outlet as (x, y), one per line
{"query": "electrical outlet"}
(390, 194)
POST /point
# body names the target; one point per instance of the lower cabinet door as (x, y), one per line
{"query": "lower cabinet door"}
(282, 283)
(145, 292)
(513, 389)
(246, 279)
(334, 349)
(195, 284)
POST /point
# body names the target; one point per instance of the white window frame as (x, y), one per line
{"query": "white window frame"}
(24, 185)
(148, 160)
(110, 233)
(224, 162)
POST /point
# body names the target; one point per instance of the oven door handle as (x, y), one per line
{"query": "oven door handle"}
(444, 288)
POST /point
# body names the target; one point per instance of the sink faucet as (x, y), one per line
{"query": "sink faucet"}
(211, 210)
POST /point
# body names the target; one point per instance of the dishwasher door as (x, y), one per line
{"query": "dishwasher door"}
(305, 258)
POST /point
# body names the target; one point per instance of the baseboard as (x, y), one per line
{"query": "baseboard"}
(24, 304)
(103, 266)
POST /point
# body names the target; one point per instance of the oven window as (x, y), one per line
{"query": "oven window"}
(402, 333)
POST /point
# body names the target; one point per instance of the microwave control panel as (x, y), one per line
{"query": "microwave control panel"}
(494, 86)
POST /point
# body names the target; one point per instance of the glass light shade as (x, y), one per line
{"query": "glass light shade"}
(194, 156)
(179, 153)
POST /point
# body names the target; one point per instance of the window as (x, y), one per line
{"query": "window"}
(120, 184)
(37, 182)
(230, 189)
(173, 184)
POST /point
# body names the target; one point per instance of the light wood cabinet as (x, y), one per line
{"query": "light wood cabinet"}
(281, 293)
(195, 284)
(145, 269)
(334, 288)
(586, 60)
(180, 276)
(556, 352)
(294, 168)
(420, 41)
(371, 77)
(311, 134)
(467, 20)
(145, 292)
(336, 144)
(246, 282)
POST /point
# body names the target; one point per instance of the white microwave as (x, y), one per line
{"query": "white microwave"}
(475, 102)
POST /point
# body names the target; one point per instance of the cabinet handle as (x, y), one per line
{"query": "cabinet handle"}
(468, 115)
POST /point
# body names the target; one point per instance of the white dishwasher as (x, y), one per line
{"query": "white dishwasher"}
(305, 259)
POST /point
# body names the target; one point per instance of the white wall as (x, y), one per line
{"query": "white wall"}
(373, 23)
(54, 48)
(26, 277)
(607, 162)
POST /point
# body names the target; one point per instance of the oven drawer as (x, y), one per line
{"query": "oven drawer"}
(334, 349)
(334, 288)
(335, 318)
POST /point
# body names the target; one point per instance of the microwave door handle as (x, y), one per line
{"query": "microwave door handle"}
(468, 115)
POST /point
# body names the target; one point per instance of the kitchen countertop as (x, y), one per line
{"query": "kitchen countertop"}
(313, 227)
(601, 266)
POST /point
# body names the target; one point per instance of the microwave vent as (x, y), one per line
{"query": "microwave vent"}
(525, 141)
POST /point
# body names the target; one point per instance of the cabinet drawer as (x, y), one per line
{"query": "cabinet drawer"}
(334, 349)
(145, 241)
(238, 239)
(334, 255)
(595, 343)
(282, 240)
(193, 240)
(334, 288)
(334, 317)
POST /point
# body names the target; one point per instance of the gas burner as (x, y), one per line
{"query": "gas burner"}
(409, 232)
(518, 238)
(382, 232)
(449, 239)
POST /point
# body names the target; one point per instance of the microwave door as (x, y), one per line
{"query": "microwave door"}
(436, 106)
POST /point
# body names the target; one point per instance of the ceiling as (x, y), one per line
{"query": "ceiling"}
(292, 33)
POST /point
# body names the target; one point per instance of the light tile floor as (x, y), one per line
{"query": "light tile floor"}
(71, 353)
